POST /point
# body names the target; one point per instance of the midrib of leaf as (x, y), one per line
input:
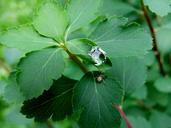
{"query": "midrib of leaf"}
(49, 58)
(54, 98)
(43, 67)
(99, 115)
(71, 24)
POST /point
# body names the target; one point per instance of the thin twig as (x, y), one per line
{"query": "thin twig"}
(153, 35)
(122, 113)
(76, 59)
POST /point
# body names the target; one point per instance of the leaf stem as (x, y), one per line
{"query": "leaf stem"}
(122, 113)
(153, 35)
(75, 59)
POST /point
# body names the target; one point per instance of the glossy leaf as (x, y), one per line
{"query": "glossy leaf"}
(51, 21)
(38, 70)
(81, 13)
(129, 71)
(119, 40)
(97, 100)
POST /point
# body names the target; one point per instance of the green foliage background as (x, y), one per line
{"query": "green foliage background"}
(148, 107)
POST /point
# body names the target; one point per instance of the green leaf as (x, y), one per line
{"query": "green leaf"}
(115, 7)
(160, 120)
(72, 70)
(25, 39)
(81, 13)
(51, 21)
(12, 91)
(160, 7)
(56, 103)
(137, 122)
(121, 41)
(163, 38)
(156, 97)
(140, 93)
(97, 100)
(80, 46)
(38, 70)
(163, 84)
(3, 84)
(129, 71)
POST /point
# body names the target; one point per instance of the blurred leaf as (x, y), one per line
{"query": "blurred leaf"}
(140, 93)
(160, 120)
(12, 90)
(160, 7)
(164, 38)
(26, 39)
(12, 55)
(163, 85)
(156, 97)
(2, 87)
(15, 117)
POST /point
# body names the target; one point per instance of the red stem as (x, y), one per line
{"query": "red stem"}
(153, 35)
(123, 115)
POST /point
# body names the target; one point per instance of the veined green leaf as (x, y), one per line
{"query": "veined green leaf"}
(129, 71)
(25, 39)
(56, 103)
(97, 100)
(119, 41)
(81, 13)
(38, 70)
(51, 21)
